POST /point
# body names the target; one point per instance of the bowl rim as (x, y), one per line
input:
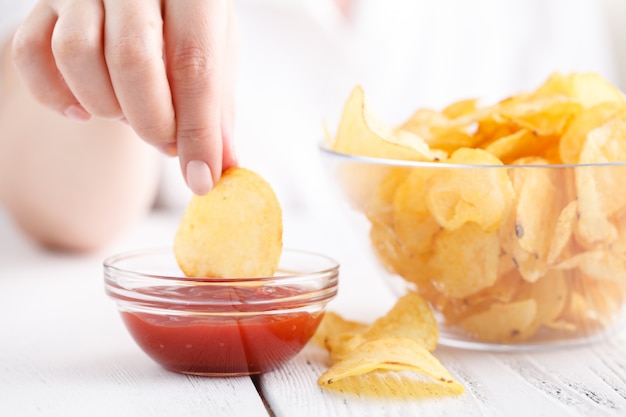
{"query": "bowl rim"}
(110, 267)
(400, 163)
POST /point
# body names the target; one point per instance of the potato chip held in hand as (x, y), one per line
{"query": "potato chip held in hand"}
(233, 231)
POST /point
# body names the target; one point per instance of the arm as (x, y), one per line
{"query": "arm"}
(70, 186)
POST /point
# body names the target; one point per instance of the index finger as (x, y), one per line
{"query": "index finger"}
(195, 34)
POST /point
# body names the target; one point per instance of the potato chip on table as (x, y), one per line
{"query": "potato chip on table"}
(401, 340)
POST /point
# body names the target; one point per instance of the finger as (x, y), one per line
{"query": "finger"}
(77, 47)
(32, 55)
(195, 38)
(133, 45)
(229, 158)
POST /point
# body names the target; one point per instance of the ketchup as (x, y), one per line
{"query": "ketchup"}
(231, 343)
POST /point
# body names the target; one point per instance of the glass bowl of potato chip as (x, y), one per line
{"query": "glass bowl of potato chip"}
(508, 219)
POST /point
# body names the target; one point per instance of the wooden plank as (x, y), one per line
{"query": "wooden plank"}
(65, 352)
(588, 381)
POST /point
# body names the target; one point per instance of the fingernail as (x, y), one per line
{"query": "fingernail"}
(199, 177)
(77, 113)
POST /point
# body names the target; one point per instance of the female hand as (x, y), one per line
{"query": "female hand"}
(165, 67)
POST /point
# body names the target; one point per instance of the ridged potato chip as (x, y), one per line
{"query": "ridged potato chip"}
(502, 322)
(401, 340)
(390, 354)
(233, 231)
(464, 261)
(361, 133)
(470, 195)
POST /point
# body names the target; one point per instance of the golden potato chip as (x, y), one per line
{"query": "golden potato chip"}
(550, 295)
(549, 121)
(470, 194)
(491, 128)
(411, 318)
(461, 108)
(573, 139)
(593, 304)
(600, 188)
(516, 145)
(361, 133)
(333, 324)
(379, 207)
(447, 130)
(394, 257)
(360, 183)
(502, 322)
(503, 291)
(529, 241)
(393, 354)
(464, 261)
(338, 335)
(233, 231)
(588, 88)
(563, 232)
(414, 226)
(597, 264)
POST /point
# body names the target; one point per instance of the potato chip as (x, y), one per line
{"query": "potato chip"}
(410, 318)
(333, 324)
(522, 143)
(593, 304)
(461, 108)
(392, 354)
(361, 133)
(413, 224)
(587, 88)
(550, 295)
(233, 231)
(597, 264)
(550, 120)
(448, 130)
(563, 232)
(338, 335)
(394, 257)
(503, 291)
(573, 139)
(379, 206)
(470, 194)
(464, 261)
(529, 240)
(600, 189)
(502, 322)
(360, 183)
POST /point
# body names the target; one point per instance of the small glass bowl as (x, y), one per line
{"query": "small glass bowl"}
(215, 326)
(509, 257)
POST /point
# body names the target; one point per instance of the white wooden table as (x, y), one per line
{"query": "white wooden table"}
(64, 351)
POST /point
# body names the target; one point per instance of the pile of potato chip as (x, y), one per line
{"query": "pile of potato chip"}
(509, 219)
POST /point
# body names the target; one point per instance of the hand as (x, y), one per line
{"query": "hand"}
(164, 67)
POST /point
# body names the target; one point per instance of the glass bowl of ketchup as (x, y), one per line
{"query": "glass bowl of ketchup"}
(220, 326)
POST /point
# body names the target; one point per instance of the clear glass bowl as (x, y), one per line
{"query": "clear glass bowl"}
(509, 257)
(220, 327)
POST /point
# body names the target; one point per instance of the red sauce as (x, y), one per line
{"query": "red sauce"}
(226, 344)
